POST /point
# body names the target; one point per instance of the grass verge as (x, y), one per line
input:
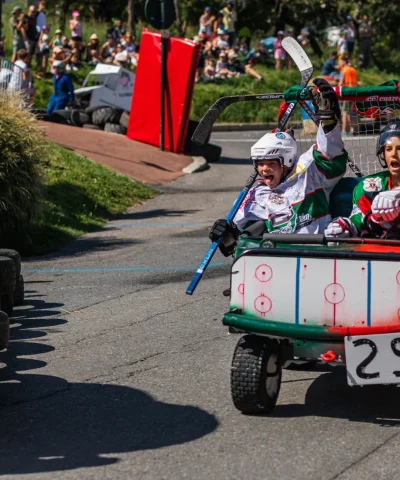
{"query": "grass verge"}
(79, 197)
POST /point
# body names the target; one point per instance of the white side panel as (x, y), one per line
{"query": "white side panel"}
(269, 287)
(385, 293)
(237, 284)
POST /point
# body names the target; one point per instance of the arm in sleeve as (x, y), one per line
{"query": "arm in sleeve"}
(361, 214)
(330, 155)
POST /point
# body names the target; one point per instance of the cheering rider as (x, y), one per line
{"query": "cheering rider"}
(292, 195)
(376, 199)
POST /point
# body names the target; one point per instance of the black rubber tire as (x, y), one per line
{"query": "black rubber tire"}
(90, 110)
(4, 330)
(79, 118)
(105, 115)
(7, 303)
(124, 120)
(53, 118)
(19, 291)
(7, 276)
(15, 257)
(89, 126)
(112, 128)
(256, 374)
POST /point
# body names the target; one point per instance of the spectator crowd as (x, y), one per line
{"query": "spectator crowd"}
(223, 54)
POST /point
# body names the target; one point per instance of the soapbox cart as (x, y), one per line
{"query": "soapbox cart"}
(298, 298)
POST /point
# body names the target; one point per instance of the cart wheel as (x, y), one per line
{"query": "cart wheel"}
(256, 374)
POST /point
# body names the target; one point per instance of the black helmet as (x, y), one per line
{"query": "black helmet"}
(391, 130)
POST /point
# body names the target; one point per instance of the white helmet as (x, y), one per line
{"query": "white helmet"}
(278, 145)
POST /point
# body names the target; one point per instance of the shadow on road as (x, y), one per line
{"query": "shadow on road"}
(49, 424)
(158, 212)
(330, 396)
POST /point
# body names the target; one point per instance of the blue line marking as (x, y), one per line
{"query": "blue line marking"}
(297, 290)
(369, 277)
(122, 269)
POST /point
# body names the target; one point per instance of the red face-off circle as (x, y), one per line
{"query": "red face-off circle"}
(262, 304)
(264, 273)
(334, 293)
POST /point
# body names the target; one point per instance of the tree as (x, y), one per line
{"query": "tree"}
(178, 20)
(131, 17)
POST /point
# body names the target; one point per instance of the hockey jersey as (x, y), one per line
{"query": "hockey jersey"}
(300, 203)
(363, 196)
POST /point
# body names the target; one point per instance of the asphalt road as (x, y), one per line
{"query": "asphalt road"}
(113, 372)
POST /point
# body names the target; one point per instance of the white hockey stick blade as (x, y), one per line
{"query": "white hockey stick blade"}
(299, 56)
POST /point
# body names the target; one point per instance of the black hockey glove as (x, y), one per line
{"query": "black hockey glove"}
(227, 232)
(325, 101)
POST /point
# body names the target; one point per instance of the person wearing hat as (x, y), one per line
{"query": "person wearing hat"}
(18, 28)
(93, 53)
(76, 31)
(222, 66)
(279, 51)
(350, 31)
(229, 20)
(205, 23)
(57, 39)
(63, 88)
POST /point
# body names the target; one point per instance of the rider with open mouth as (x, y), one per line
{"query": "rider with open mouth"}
(376, 198)
(292, 195)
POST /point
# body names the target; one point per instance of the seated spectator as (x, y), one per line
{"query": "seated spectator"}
(259, 55)
(56, 41)
(108, 50)
(222, 40)
(93, 56)
(121, 56)
(209, 69)
(58, 55)
(222, 66)
(330, 69)
(304, 38)
(239, 68)
(117, 32)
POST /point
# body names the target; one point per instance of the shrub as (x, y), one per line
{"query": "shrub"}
(21, 148)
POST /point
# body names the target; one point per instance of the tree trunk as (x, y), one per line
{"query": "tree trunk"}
(178, 20)
(63, 17)
(131, 17)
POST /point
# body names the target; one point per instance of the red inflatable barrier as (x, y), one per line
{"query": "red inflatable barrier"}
(144, 121)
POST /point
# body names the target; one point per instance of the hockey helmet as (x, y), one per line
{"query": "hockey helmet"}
(389, 131)
(279, 145)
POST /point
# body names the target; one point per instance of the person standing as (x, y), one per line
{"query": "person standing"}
(279, 51)
(117, 32)
(229, 20)
(348, 78)
(32, 33)
(76, 31)
(350, 30)
(18, 25)
(365, 32)
(206, 23)
(41, 17)
(63, 88)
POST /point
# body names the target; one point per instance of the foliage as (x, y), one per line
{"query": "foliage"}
(22, 148)
(79, 196)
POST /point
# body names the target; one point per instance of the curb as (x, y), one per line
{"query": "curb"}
(246, 127)
(199, 164)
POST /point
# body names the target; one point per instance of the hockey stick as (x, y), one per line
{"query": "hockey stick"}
(204, 128)
(231, 215)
